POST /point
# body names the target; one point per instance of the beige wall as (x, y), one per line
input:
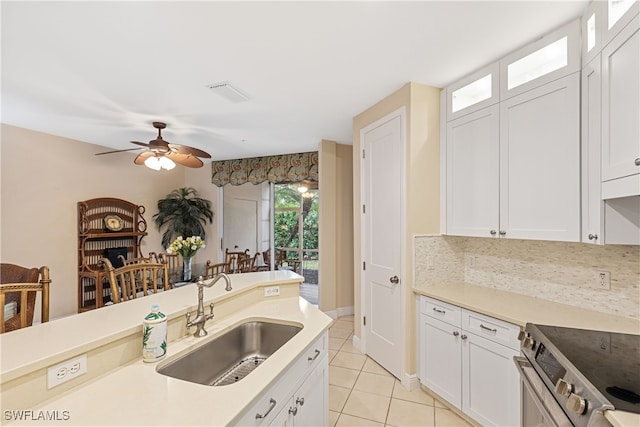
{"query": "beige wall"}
(336, 227)
(422, 180)
(42, 179)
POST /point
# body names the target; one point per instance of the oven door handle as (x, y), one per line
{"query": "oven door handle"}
(540, 395)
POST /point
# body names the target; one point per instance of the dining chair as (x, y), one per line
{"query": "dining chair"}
(211, 270)
(174, 266)
(136, 280)
(153, 257)
(18, 288)
(233, 258)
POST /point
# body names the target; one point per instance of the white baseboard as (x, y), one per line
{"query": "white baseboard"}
(339, 312)
(356, 343)
(410, 381)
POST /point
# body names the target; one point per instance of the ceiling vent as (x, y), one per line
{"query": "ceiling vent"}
(227, 90)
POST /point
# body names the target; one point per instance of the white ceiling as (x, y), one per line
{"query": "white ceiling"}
(101, 72)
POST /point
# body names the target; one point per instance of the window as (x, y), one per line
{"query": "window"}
(617, 8)
(471, 94)
(543, 61)
(591, 32)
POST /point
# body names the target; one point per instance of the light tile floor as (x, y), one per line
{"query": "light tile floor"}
(362, 393)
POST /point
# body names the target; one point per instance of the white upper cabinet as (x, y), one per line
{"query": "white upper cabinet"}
(592, 204)
(620, 113)
(473, 92)
(540, 162)
(473, 171)
(553, 56)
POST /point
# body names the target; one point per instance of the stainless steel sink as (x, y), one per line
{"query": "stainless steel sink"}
(230, 357)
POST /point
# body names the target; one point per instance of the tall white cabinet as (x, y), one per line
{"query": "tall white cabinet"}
(513, 157)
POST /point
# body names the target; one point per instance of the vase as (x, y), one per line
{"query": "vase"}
(186, 268)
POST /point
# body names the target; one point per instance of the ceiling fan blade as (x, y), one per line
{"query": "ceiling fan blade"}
(183, 149)
(185, 160)
(142, 157)
(118, 151)
(144, 144)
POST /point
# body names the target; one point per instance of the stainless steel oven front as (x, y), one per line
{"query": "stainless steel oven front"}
(539, 407)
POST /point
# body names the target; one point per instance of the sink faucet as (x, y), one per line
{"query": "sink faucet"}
(201, 318)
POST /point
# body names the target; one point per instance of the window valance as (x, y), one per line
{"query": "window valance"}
(277, 169)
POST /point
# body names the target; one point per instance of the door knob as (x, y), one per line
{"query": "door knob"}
(395, 280)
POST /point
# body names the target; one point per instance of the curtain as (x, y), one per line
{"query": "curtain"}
(277, 169)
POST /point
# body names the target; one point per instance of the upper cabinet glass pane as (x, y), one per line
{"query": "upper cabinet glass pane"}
(591, 32)
(617, 8)
(543, 61)
(471, 94)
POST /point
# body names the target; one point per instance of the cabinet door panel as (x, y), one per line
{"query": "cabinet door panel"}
(312, 398)
(490, 390)
(540, 162)
(441, 359)
(473, 173)
(621, 104)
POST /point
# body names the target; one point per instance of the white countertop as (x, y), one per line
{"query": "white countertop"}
(133, 393)
(520, 309)
(136, 395)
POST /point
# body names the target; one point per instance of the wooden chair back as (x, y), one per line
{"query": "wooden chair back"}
(174, 266)
(247, 265)
(151, 258)
(134, 280)
(211, 270)
(20, 285)
(234, 258)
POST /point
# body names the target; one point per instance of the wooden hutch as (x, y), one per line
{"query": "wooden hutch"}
(106, 227)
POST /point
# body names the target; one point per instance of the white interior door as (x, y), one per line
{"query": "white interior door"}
(240, 224)
(383, 144)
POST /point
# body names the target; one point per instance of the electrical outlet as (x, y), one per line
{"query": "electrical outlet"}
(272, 291)
(66, 371)
(602, 280)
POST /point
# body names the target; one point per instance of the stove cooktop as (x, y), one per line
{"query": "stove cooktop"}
(609, 361)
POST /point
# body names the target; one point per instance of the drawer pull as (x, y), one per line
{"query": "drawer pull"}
(486, 328)
(293, 410)
(272, 404)
(456, 333)
(300, 401)
(311, 359)
(464, 337)
(439, 311)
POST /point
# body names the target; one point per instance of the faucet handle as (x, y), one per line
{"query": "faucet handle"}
(189, 324)
(210, 315)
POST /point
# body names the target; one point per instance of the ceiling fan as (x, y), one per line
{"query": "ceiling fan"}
(163, 154)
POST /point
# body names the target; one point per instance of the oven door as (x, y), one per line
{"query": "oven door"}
(539, 407)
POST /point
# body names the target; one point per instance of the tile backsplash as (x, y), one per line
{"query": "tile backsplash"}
(555, 271)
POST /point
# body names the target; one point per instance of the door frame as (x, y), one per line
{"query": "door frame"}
(400, 112)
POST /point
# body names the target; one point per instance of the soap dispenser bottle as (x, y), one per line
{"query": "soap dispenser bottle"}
(154, 335)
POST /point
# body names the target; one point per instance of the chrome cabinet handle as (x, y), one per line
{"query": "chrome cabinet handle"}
(464, 337)
(395, 280)
(300, 401)
(486, 328)
(637, 161)
(456, 333)
(293, 410)
(272, 404)
(502, 232)
(492, 232)
(439, 311)
(593, 236)
(311, 359)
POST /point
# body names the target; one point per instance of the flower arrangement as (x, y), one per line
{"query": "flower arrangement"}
(186, 247)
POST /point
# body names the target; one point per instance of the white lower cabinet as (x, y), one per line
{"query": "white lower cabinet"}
(309, 404)
(467, 359)
(300, 397)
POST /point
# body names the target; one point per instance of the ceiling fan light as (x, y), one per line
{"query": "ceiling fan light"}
(166, 163)
(153, 163)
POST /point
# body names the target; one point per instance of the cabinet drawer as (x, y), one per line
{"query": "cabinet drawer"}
(440, 310)
(492, 329)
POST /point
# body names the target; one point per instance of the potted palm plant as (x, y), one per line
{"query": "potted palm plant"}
(182, 213)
